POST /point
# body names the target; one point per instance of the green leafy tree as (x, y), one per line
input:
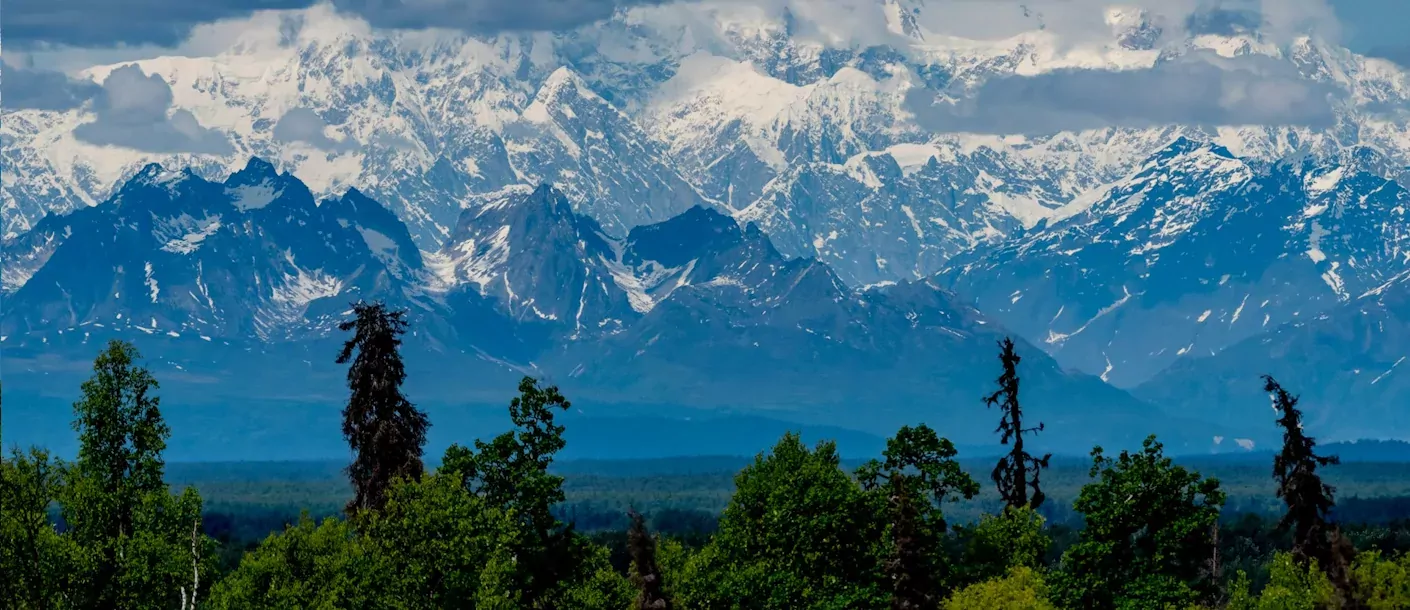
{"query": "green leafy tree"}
(308, 565)
(33, 556)
(917, 475)
(1022, 588)
(1147, 538)
(676, 564)
(385, 431)
(798, 533)
(599, 587)
(136, 545)
(511, 473)
(999, 543)
(1292, 585)
(439, 546)
(1382, 583)
(432, 546)
(1018, 471)
(1307, 497)
(646, 575)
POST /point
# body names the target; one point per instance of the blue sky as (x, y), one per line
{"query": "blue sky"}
(1378, 27)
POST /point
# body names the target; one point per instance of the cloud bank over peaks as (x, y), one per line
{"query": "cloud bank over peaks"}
(25, 88)
(303, 125)
(133, 110)
(1197, 88)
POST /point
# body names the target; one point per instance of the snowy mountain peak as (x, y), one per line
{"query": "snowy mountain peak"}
(171, 252)
(255, 170)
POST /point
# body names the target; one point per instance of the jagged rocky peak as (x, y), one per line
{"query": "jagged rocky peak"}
(260, 184)
(386, 236)
(532, 217)
(692, 234)
(528, 251)
(251, 257)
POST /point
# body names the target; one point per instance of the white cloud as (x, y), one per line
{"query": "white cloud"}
(1200, 88)
(134, 111)
(304, 125)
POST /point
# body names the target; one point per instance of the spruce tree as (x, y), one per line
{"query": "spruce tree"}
(1308, 499)
(385, 431)
(912, 586)
(1018, 471)
(646, 575)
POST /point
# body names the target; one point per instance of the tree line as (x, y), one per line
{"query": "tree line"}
(480, 531)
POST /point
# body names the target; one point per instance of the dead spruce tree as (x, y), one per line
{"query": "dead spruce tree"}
(385, 431)
(1019, 471)
(1308, 499)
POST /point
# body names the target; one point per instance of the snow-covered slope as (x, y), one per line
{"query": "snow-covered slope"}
(1196, 250)
(245, 278)
(643, 115)
(862, 142)
(172, 253)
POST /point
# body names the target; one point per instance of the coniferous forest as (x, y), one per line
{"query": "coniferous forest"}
(484, 527)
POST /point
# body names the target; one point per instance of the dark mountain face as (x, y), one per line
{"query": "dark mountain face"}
(226, 279)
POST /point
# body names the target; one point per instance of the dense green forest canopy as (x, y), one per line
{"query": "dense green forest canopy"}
(497, 523)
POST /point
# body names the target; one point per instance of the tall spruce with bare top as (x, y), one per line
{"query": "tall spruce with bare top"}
(1018, 471)
(385, 431)
(1308, 499)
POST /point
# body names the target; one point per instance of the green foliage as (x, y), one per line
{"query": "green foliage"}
(133, 543)
(1381, 583)
(917, 475)
(1147, 541)
(799, 533)
(998, 543)
(441, 546)
(511, 473)
(34, 558)
(309, 565)
(600, 587)
(1023, 588)
(1291, 586)
(674, 560)
(433, 545)
(928, 464)
(127, 542)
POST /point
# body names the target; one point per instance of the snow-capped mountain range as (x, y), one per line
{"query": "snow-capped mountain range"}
(694, 311)
(1124, 252)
